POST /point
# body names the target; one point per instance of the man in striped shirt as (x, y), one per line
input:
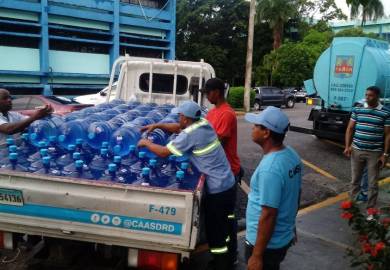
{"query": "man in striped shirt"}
(367, 142)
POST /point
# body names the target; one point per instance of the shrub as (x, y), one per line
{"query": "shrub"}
(236, 97)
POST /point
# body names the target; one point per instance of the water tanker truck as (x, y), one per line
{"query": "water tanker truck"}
(341, 76)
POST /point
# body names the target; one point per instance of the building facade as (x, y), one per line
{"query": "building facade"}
(67, 47)
(380, 27)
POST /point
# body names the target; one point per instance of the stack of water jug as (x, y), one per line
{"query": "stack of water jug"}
(99, 143)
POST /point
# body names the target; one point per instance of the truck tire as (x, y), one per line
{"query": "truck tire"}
(290, 103)
(257, 105)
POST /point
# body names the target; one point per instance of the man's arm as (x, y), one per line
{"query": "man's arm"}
(348, 137)
(384, 157)
(159, 150)
(169, 127)
(265, 230)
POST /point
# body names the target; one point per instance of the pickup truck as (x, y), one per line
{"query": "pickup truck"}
(144, 221)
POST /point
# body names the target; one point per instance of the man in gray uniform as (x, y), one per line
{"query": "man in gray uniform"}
(198, 140)
(14, 122)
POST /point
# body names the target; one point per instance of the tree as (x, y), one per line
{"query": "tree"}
(369, 9)
(276, 13)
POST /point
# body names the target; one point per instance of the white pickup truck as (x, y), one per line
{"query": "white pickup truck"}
(142, 220)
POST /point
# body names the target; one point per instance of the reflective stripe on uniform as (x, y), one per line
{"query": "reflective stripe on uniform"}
(207, 149)
(220, 250)
(196, 125)
(174, 150)
(232, 216)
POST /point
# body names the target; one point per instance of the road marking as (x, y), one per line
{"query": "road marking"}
(334, 143)
(318, 170)
(325, 239)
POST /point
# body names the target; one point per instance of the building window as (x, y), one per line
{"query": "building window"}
(147, 3)
(163, 83)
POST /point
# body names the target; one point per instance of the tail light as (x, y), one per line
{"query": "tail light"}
(6, 240)
(152, 260)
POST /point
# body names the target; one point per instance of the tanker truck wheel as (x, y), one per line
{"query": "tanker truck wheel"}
(290, 103)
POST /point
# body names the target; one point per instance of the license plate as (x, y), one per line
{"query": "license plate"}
(11, 197)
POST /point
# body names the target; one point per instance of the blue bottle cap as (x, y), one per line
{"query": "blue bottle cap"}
(103, 151)
(117, 159)
(10, 141)
(25, 136)
(79, 141)
(184, 165)
(172, 157)
(71, 147)
(91, 135)
(112, 167)
(33, 136)
(12, 148)
(61, 138)
(152, 162)
(132, 147)
(53, 138)
(104, 144)
(180, 174)
(141, 154)
(76, 155)
(13, 156)
(43, 152)
(117, 149)
(41, 144)
(145, 171)
(79, 163)
(46, 160)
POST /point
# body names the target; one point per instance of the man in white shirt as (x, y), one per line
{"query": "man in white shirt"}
(14, 122)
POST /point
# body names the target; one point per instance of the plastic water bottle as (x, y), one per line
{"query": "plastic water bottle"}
(111, 113)
(136, 168)
(41, 130)
(123, 108)
(37, 155)
(99, 132)
(5, 160)
(133, 114)
(46, 166)
(4, 151)
(123, 138)
(155, 175)
(13, 164)
(191, 178)
(91, 110)
(81, 171)
(86, 152)
(66, 158)
(71, 131)
(110, 174)
(99, 164)
(157, 136)
(179, 179)
(68, 169)
(168, 170)
(143, 178)
(25, 148)
(156, 115)
(102, 116)
(143, 109)
(120, 120)
(37, 165)
(131, 158)
(77, 115)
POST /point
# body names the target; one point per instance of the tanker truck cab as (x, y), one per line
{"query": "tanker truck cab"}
(154, 228)
(341, 76)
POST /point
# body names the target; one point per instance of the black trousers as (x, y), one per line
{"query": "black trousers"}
(271, 258)
(217, 209)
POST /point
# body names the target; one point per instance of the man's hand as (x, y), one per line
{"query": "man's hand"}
(382, 161)
(143, 143)
(255, 263)
(41, 113)
(348, 151)
(148, 128)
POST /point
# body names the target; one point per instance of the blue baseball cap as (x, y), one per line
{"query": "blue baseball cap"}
(272, 118)
(190, 109)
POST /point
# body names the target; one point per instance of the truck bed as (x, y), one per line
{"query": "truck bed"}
(99, 211)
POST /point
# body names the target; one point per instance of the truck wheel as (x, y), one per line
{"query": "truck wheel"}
(257, 105)
(290, 103)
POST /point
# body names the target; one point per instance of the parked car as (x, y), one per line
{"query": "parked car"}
(97, 98)
(27, 105)
(268, 95)
(300, 95)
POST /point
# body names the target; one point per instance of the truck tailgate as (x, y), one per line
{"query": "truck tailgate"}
(100, 212)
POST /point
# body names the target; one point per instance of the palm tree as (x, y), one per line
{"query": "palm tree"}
(276, 13)
(369, 9)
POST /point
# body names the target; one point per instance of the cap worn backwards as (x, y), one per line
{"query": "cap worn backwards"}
(272, 118)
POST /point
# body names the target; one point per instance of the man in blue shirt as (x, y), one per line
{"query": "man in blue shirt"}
(198, 140)
(275, 189)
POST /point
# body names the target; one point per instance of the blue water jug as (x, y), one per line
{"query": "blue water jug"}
(71, 131)
(45, 166)
(98, 117)
(123, 138)
(110, 174)
(25, 148)
(117, 101)
(123, 108)
(136, 168)
(66, 158)
(91, 110)
(41, 130)
(157, 136)
(169, 169)
(37, 155)
(68, 169)
(87, 153)
(143, 109)
(133, 114)
(37, 165)
(13, 164)
(119, 120)
(5, 160)
(134, 103)
(99, 163)
(191, 176)
(77, 115)
(141, 121)
(81, 171)
(111, 113)
(131, 158)
(156, 115)
(155, 175)
(99, 132)
(143, 177)
(179, 179)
